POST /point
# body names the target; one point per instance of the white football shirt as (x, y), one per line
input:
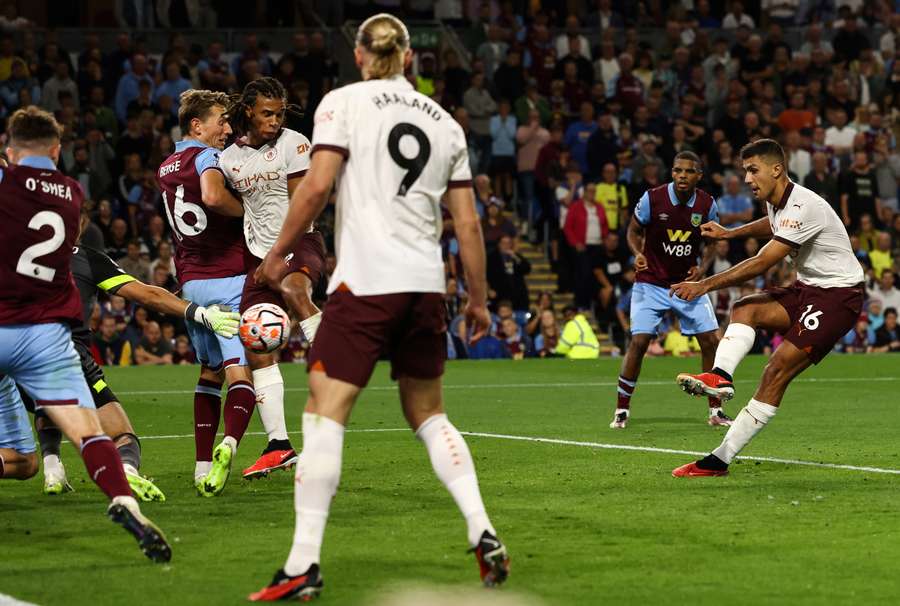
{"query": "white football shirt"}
(402, 151)
(260, 175)
(807, 223)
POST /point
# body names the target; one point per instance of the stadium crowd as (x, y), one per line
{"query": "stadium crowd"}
(570, 115)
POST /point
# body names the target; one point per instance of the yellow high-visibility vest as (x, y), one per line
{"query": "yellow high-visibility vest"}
(578, 341)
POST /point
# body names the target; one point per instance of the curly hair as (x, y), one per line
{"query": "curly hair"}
(241, 104)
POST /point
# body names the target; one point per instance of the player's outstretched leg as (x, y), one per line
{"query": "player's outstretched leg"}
(207, 411)
(454, 467)
(709, 342)
(269, 386)
(631, 369)
(785, 364)
(238, 411)
(104, 466)
(50, 439)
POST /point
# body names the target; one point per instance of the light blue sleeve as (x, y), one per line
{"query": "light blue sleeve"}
(208, 158)
(713, 211)
(642, 210)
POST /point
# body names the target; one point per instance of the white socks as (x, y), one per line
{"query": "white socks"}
(315, 482)
(735, 344)
(310, 325)
(53, 465)
(201, 469)
(749, 422)
(269, 388)
(453, 465)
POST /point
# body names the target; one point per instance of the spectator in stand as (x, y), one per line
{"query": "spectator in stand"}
(606, 67)
(173, 85)
(135, 263)
(493, 50)
(480, 106)
(164, 259)
(109, 347)
(839, 136)
(849, 42)
(544, 303)
(532, 100)
(60, 82)
(612, 197)
(799, 160)
(880, 256)
(609, 267)
(884, 291)
(867, 234)
(581, 69)
(647, 155)
(153, 348)
(887, 175)
(547, 339)
(117, 243)
(509, 79)
(517, 344)
(857, 340)
(503, 149)
(859, 193)
(462, 118)
(735, 206)
(585, 229)
(578, 341)
(531, 137)
(822, 181)
(495, 225)
(506, 271)
(183, 353)
(628, 88)
(18, 81)
(564, 41)
(578, 133)
(736, 17)
(887, 337)
(129, 84)
(457, 78)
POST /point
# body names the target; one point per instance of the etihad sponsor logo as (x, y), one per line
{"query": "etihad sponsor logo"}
(677, 235)
(255, 179)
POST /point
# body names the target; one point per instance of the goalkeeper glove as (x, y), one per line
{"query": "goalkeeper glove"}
(220, 320)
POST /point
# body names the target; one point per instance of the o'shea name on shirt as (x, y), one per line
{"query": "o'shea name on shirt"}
(60, 190)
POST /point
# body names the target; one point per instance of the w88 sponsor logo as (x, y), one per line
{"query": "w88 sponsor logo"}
(677, 250)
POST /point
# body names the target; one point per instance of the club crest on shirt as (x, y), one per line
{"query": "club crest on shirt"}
(270, 154)
(696, 218)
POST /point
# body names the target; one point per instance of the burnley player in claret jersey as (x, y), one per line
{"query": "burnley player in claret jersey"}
(206, 221)
(664, 236)
(39, 303)
(813, 314)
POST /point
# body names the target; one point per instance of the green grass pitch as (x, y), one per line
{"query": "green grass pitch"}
(584, 524)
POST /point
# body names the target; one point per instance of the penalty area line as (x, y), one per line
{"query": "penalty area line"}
(8, 600)
(537, 385)
(595, 445)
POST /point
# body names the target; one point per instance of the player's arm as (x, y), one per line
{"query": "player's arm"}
(461, 204)
(217, 197)
(761, 228)
(635, 239)
(113, 280)
(770, 254)
(223, 323)
(709, 254)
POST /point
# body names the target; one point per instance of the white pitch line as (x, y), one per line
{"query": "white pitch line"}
(599, 445)
(8, 600)
(537, 385)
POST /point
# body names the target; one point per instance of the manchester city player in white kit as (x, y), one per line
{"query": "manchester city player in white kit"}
(397, 153)
(265, 165)
(812, 314)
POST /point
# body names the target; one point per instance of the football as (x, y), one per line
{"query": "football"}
(264, 328)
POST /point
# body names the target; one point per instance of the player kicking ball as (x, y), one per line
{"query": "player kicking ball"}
(397, 153)
(94, 271)
(664, 237)
(39, 222)
(209, 259)
(265, 165)
(813, 313)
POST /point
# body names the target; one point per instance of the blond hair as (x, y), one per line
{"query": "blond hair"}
(197, 103)
(387, 39)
